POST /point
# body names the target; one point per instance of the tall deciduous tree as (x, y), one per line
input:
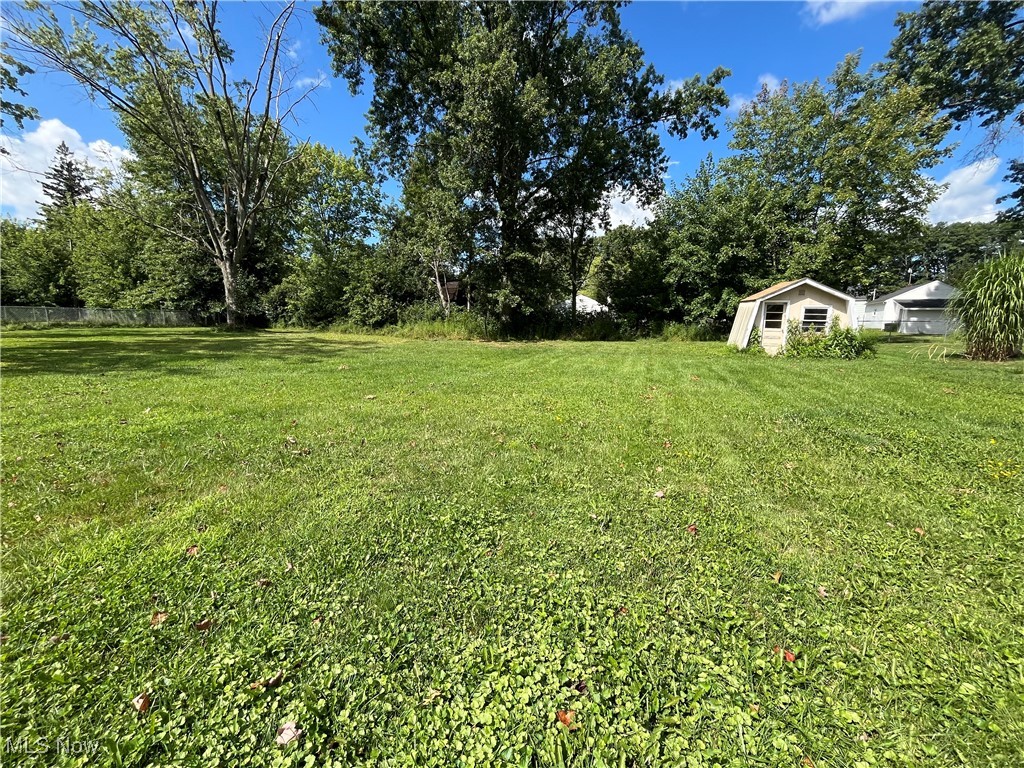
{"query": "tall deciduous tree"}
(836, 172)
(968, 59)
(10, 70)
(168, 73)
(529, 101)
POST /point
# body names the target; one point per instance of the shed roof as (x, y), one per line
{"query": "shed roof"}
(785, 285)
(771, 290)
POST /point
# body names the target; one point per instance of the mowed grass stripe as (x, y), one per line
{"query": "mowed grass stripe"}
(483, 535)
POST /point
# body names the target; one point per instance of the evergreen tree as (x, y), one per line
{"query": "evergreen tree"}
(65, 183)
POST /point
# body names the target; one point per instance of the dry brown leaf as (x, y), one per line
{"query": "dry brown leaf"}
(141, 703)
(158, 618)
(807, 762)
(270, 682)
(193, 551)
(692, 529)
(919, 531)
(659, 494)
(755, 708)
(288, 733)
(370, 397)
(262, 583)
(777, 577)
(288, 568)
(318, 621)
(205, 625)
(55, 639)
(567, 717)
(822, 592)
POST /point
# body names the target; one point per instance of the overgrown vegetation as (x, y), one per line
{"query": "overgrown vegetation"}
(838, 342)
(420, 553)
(990, 305)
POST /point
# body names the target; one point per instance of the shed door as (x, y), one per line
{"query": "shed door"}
(773, 325)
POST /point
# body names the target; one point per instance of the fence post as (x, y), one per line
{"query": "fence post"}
(46, 315)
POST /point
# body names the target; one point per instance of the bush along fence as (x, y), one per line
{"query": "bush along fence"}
(96, 316)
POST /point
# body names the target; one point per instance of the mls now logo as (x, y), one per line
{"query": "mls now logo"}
(61, 745)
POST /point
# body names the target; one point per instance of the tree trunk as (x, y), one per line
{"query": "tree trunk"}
(230, 274)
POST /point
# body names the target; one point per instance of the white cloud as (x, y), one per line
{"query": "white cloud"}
(292, 50)
(822, 12)
(739, 100)
(31, 155)
(969, 195)
(626, 209)
(320, 81)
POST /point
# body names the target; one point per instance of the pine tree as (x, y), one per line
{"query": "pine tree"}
(65, 183)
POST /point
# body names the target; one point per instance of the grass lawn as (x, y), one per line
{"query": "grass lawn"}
(423, 552)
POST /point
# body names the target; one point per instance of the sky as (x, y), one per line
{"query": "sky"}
(761, 42)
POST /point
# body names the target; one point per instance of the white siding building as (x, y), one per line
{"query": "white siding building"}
(919, 308)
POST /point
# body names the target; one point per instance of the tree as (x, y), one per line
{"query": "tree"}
(10, 70)
(525, 101)
(65, 183)
(37, 267)
(167, 72)
(836, 175)
(967, 58)
(1015, 175)
(632, 276)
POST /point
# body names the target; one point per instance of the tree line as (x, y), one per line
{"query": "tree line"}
(510, 126)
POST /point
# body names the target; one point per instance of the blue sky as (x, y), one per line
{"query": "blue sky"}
(759, 41)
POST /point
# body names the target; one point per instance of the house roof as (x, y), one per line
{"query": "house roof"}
(905, 289)
(787, 284)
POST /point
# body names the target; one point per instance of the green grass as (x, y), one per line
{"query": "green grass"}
(478, 540)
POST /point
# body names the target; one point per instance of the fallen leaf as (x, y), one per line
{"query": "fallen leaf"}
(694, 378)
(262, 583)
(659, 469)
(222, 488)
(806, 761)
(789, 656)
(270, 682)
(193, 551)
(667, 444)
(567, 718)
(56, 639)
(158, 618)
(201, 528)
(295, 422)
(948, 391)
(822, 592)
(692, 529)
(205, 625)
(288, 568)
(623, 610)
(755, 708)
(141, 703)
(659, 494)
(147, 410)
(37, 518)
(919, 531)
(4, 639)
(777, 577)
(288, 733)
(432, 694)
(318, 621)
(291, 440)
(370, 397)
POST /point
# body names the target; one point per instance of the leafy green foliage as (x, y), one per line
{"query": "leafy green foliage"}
(441, 587)
(10, 70)
(990, 305)
(838, 342)
(833, 176)
(527, 115)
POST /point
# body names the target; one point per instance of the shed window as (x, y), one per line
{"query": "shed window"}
(773, 314)
(815, 319)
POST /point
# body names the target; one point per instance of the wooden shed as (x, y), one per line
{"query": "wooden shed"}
(804, 302)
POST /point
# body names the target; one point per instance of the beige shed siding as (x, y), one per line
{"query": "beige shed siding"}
(796, 299)
(738, 336)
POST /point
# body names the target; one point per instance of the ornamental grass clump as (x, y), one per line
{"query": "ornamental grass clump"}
(990, 306)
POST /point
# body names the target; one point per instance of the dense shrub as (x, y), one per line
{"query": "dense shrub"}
(990, 306)
(690, 332)
(839, 342)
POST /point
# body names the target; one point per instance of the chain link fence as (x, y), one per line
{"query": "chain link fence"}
(95, 316)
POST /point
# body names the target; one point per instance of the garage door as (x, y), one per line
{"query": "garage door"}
(931, 321)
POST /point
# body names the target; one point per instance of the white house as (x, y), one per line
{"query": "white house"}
(804, 302)
(584, 305)
(919, 308)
